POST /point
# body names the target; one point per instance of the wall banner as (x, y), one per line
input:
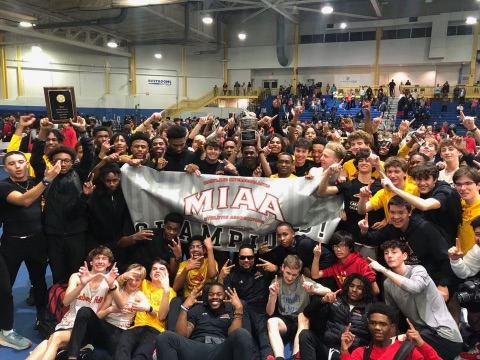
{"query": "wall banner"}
(231, 210)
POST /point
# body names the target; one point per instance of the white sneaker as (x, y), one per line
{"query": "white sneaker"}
(15, 341)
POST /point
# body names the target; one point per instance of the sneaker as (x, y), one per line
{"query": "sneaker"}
(472, 354)
(62, 355)
(15, 341)
(270, 357)
(296, 356)
(30, 300)
(86, 353)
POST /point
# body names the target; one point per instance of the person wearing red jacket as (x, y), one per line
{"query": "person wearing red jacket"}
(382, 323)
(348, 261)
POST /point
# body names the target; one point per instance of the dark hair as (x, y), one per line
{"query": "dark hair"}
(466, 171)
(302, 143)
(384, 309)
(367, 286)
(160, 137)
(57, 134)
(341, 236)
(394, 244)
(160, 261)
(110, 168)
(475, 223)
(287, 224)
(396, 161)
(176, 132)
(230, 139)
(61, 149)
(114, 137)
(319, 141)
(286, 154)
(398, 201)
(280, 137)
(101, 250)
(196, 238)
(363, 153)
(213, 143)
(425, 157)
(139, 136)
(424, 171)
(97, 129)
(173, 217)
(246, 246)
(11, 153)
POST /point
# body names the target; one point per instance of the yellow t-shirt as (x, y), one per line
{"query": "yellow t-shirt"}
(275, 176)
(410, 180)
(403, 151)
(154, 296)
(466, 235)
(15, 146)
(352, 171)
(195, 277)
(382, 197)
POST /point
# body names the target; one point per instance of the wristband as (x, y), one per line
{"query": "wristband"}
(46, 182)
(474, 129)
(184, 308)
(113, 288)
(151, 309)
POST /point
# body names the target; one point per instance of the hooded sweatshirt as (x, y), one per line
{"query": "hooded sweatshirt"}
(354, 263)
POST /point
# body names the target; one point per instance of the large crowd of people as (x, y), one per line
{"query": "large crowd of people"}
(385, 286)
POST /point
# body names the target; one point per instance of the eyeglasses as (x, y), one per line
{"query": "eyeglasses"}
(466, 183)
(195, 247)
(248, 257)
(339, 246)
(63, 161)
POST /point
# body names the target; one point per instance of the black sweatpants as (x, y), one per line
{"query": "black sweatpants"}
(31, 250)
(446, 349)
(90, 329)
(6, 297)
(312, 348)
(237, 346)
(136, 343)
(258, 322)
(66, 254)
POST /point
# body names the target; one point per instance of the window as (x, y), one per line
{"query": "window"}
(451, 31)
(419, 32)
(403, 34)
(464, 30)
(329, 38)
(317, 38)
(306, 39)
(343, 37)
(356, 36)
(389, 34)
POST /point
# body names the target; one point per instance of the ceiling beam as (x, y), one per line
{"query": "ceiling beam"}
(335, 13)
(376, 7)
(178, 23)
(280, 11)
(43, 36)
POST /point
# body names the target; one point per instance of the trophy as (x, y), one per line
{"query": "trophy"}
(249, 127)
(60, 101)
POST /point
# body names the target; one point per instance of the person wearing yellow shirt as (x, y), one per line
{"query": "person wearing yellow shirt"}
(139, 340)
(199, 269)
(284, 166)
(357, 140)
(396, 172)
(467, 183)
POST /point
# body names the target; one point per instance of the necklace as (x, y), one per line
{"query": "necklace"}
(24, 188)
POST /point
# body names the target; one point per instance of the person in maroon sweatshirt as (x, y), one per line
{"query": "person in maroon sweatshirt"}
(348, 261)
(382, 321)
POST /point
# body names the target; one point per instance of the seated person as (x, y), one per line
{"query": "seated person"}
(208, 331)
(199, 269)
(330, 316)
(82, 286)
(288, 298)
(348, 261)
(411, 290)
(382, 321)
(138, 342)
(104, 328)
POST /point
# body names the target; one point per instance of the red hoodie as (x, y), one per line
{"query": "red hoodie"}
(354, 263)
(419, 353)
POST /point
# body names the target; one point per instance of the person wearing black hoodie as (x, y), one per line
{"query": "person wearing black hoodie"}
(177, 157)
(428, 247)
(330, 316)
(65, 223)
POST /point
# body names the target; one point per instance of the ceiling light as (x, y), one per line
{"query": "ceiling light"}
(36, 49)
(343, 25)
(25, 24)
(242, 36)
(471, 20)
(327, 9)
(112, 43)
(207, 19)
(158, 56)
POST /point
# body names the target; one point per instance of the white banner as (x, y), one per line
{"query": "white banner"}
(352, 79)
(231, 210)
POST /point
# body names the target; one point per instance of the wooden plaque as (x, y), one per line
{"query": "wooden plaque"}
(60, 101)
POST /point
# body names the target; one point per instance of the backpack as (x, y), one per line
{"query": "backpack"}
(54, 311)
(403, 351)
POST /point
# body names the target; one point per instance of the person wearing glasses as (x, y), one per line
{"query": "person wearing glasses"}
(348, 261)
(200, 268)
(467, 183)
(251, 283)
(65, 221)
